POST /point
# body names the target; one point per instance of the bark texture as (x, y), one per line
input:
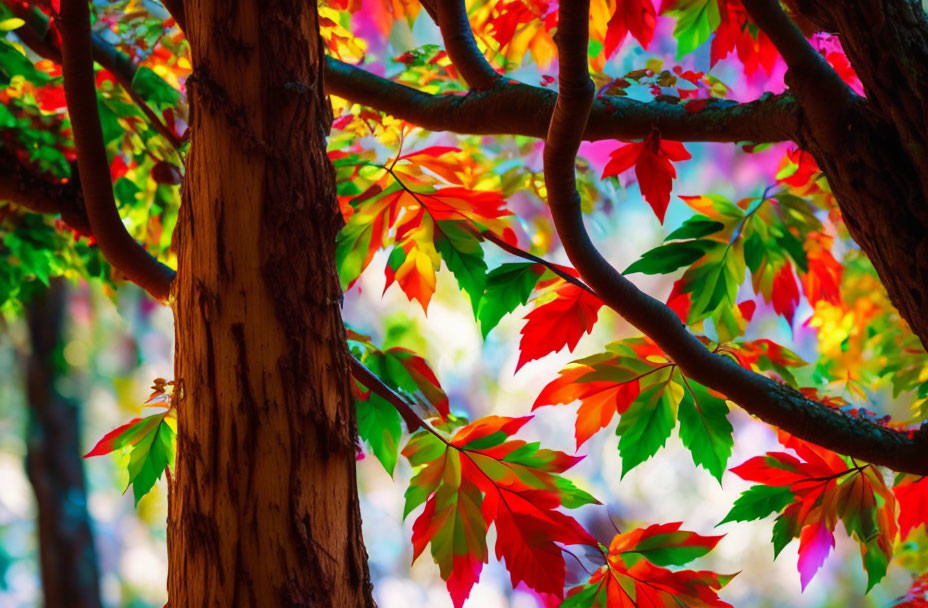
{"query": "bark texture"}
(68, 560)
(264, 508)
(875, 150)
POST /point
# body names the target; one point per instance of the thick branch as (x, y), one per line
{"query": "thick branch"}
(821, 92)
(520, 109)
(28, 188)
(763, 397)
(176, 8)
(462, 47)
(114, 240)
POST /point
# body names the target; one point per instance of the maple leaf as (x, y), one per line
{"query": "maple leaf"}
(480, 477)
(812, 493)
(636, 17)
(558, 322)
(652, 161)
(634, 574)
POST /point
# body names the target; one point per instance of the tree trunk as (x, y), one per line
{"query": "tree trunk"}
(68, 560)
(264, 507)
(875, 153)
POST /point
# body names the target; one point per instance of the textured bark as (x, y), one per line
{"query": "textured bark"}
(875, 151)
(70, 577)
(264, 507)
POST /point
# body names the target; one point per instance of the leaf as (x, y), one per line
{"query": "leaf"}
(758, 502)
(647, 423)
(481, 477)
(825, 488)
(705, 429)
(14, 63)
(696, 227)
(463, 255)
(507, 287)
(652, 161)
(154, 90)
(636, 17)
(150, 442)
(664, 544)
(696, 20)
(558, 323)
(912, 494)
(632, 576)
(667, 258)
(379, 424)
(785, 293)
(606, 384)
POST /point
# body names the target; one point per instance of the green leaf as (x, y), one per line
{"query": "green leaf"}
(714, 282)
(507, 287)
(380, 425)
(696, 20)
(154, 89)
(13, 63)
(695, 227)
(705, 429)
(667, 258)
(589, 595)
(151, 452)
(759, 502)
(351, 249)
(463, 254)
(645, 426)
(783, 532)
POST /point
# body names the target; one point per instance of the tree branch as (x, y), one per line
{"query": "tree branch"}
(821, 92)
(36, 192)
(462, 47)
(520, 109)
(35, 35)
(119, 248)
(375, 384)
(176, 8)
(763, 397)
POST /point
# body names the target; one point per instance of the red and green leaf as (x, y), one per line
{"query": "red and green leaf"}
(482, 477)
(633, 575)
(823, 489)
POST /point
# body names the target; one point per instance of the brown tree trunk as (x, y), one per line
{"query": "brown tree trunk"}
(68, 560)
(875, 153)
(264, 508)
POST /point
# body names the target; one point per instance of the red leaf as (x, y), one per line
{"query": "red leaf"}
(785, 293)
(679, 302)
(108, 441)
(558, 323)
(50, 98)
(631, 16)
(823, 280)
(652, 160)
(912, 495)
